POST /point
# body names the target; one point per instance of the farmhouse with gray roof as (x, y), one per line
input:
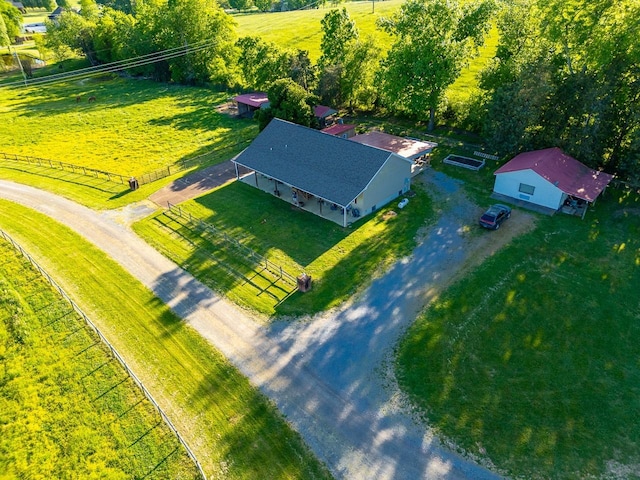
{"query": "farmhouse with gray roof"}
(327, 175)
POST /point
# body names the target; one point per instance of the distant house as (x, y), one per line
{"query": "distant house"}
(324, 174)
(248, 103)
(34, 28)
(417, 151)
(550, 179)
(55, 15)
(19, 6)
(342, 130)
(324, 115)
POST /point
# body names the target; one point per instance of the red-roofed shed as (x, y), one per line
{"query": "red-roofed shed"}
(343, 130)
(550, 178)
(248, 103)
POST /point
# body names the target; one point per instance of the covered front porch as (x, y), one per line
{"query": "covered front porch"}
(299, 199)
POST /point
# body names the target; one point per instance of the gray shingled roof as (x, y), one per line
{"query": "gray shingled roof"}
(326, 166)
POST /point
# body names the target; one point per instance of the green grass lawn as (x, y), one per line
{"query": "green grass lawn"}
(302, 30)
(234, 430)
(339, 260)
(65, 410)
(534, 358)
(133, 127)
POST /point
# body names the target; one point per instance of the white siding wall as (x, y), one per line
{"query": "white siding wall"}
(545, 194)
(393, 179)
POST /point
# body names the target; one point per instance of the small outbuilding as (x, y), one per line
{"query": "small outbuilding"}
(326, 175)
(342, 130)
(550, 179)
(324, 115)
(248, 103)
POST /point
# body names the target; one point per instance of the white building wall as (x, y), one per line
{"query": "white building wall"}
(393, 179)
(545, 193)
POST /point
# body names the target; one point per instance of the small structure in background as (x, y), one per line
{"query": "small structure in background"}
(325, 115)
(248, 103)
(464, 162)
(551, 181)
(342, 130)
(417, 151)
(304, 282)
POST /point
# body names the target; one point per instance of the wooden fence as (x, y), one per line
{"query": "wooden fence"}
(68, 167)
(271, 267)
(143, 179)
(114, 352)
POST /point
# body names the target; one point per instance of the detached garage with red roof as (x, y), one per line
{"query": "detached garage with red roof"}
(551, 179)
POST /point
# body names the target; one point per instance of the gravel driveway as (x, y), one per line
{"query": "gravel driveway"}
(329, 375)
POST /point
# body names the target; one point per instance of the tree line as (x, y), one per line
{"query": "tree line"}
(566, 73)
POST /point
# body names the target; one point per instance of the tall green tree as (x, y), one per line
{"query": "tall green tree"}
(4, 37)
(582, 57)
(262, 62)
(434, 39)
(12, 19)
(288, 101)
(112, 33)
(200, 27)
(70, 35)
(338, 33)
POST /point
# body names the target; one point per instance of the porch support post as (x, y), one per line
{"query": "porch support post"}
(237, 171)
(256, 175)
(344, 217)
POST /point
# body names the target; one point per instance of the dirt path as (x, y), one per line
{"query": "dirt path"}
(192, 186)
(329, 376)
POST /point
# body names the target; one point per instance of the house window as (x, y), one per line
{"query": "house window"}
(527, 189)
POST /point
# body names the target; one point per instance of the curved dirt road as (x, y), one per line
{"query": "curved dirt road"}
(328, 376)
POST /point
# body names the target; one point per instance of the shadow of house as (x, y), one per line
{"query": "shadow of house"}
(248, 103)
(323, 174)
(551, 179)
(416, 151)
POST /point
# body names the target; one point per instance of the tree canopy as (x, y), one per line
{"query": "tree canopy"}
(288, 101)
(434, 39)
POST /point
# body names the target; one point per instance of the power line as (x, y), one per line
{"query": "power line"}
(116, 66)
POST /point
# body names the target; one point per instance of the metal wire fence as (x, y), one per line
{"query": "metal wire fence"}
(114, 352)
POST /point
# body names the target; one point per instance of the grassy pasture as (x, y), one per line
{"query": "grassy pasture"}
(339, 260)
(540, 372)
(234, 431)
(302, 30)
(133, 127)
(63, 411)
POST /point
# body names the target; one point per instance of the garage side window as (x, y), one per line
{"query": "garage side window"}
(527, 189)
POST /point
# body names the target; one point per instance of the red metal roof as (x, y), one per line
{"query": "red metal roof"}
(338, 128)
(405, 147)
(255, 99)
(565, 172)
(322, 111)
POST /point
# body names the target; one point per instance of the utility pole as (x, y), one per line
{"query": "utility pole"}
(24, 75)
